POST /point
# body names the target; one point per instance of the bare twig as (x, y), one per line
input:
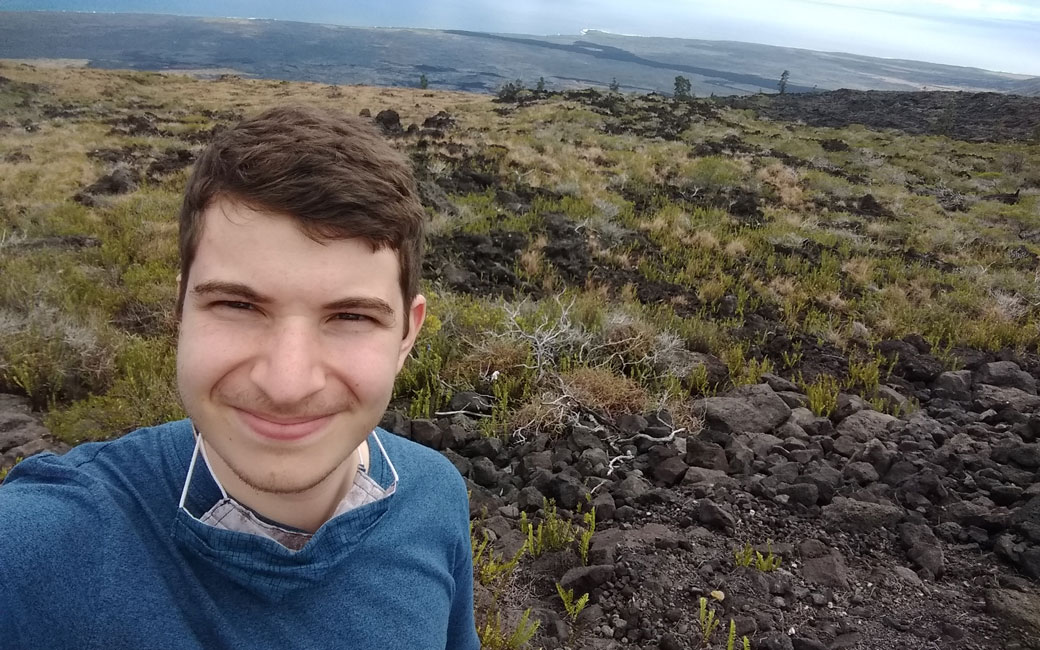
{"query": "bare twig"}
(617, 460)
(670, 437)
(472, 413)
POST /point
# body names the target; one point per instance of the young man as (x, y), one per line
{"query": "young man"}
(278, 516)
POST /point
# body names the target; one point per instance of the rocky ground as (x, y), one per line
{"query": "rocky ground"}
(962, 115)
(918, 531)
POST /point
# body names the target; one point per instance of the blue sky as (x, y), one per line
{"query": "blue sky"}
(999, 35)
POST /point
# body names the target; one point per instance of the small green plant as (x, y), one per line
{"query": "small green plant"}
(792, 357)
(504, 389)
(747, 556)
(867, 375)
(493, 637)
(586, 536)
(424, 83)
(731, 640)
(573, 607)
(742, 370)
(782, 84)
(698, 378)
(708, 621)
(892, 407)
(490, 568)
(553, 532)
(822, 394)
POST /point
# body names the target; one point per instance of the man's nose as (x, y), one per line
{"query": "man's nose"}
(290, 368)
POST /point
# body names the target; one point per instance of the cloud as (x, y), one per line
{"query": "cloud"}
(971, 9)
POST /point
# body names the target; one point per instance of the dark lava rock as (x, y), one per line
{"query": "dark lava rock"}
(1000, 397)
(712, 514)
(700, 453)
(120, 180)
(747, 409)
(670, 471)
(484, 472)
(955, 385)
(568, 491)
(833, 144)
(584, 579)
(806, 494)
(1027, 519)
(909, 363)
(922, 547)
(1020, 610)
(442, 121)
(964, 115)
(389, 121)
(426, 432)
(1005, 373)
(854, 516)
(471, 402)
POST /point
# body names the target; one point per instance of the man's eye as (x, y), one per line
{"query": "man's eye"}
(235, 304)
(347, 316)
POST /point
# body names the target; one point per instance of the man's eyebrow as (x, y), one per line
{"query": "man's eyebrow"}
(236, 289)
(247, 293)
(370, 304)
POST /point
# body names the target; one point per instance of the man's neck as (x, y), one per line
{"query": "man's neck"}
(306, 510)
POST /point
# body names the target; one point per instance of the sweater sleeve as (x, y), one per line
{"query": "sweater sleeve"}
(462, 627)
(9, 611)
(44, 509)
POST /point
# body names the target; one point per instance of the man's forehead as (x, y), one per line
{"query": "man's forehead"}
(225, 212)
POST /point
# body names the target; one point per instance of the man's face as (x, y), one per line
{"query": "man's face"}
(288, 347)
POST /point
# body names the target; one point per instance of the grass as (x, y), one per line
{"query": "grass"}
(804, 262)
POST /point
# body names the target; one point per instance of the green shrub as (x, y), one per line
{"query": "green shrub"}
(493, 637)
(822, 394)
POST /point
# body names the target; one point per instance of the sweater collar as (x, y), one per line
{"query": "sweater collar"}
(260, 563)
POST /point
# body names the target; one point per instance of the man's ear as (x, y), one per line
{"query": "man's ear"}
(178, 312)
(416, 315)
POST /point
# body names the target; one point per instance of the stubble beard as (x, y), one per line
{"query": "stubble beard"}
(273, 484)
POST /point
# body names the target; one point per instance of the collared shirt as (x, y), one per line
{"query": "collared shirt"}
(229, 514)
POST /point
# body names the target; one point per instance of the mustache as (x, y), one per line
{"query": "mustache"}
(259, 404)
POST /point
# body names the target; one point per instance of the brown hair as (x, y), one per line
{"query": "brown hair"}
(335, 174)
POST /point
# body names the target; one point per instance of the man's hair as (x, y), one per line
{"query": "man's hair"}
(334, 174)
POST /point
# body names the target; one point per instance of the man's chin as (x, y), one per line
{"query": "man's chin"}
(283, 482)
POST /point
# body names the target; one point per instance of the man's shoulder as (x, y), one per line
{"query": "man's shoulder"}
(85, 463)
(70, 486)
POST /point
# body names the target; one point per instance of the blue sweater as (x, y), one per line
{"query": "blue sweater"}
(94, 553)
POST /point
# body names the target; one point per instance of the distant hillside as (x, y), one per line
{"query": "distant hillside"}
(460, 60)
(1026, 87)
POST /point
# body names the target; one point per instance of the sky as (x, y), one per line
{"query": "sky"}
(1001, 35)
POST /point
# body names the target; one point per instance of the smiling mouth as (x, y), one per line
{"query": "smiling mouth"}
(283, 429)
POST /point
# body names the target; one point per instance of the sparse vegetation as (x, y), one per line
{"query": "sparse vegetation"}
(748, 556)
(592, 255)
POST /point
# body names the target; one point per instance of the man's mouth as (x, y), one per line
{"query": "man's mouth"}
(280, 428)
